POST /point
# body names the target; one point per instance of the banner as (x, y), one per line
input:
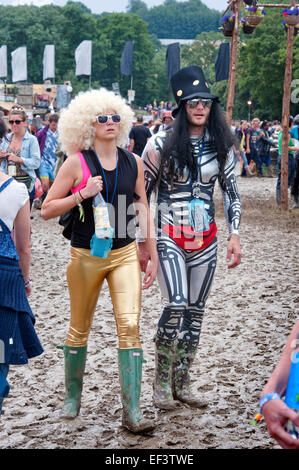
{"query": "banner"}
(3, 61)
(19, 64)
(222, 62)
(49, 62)
(83, 58)
(173, 59)
(126, 61)
(63, 96)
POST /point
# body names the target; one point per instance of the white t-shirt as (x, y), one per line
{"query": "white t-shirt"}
(12, 198)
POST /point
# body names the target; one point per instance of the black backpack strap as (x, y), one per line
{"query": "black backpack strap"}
(94, 165)
(92, 162)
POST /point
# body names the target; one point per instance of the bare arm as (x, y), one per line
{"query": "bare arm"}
(276, 412)
(247, 143)
(279, 378)
(146, 224)
(22, 241)
(70, 175)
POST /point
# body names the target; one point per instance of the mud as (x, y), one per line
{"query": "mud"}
(249, 315)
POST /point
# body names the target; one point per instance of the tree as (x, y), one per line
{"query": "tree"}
(261, 66)
(177, 20)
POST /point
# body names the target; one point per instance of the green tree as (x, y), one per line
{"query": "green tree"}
(261, 67)
(181, 20)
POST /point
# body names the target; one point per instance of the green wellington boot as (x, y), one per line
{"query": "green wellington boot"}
(163, 396)
(74, 360)
(184, 357)
(130, 373)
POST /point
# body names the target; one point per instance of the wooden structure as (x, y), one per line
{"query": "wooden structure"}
(234, 5)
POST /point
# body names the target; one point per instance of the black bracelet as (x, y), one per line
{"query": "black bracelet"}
(81, 195)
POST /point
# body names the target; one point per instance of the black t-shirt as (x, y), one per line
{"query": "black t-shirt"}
(254, 138)
(139, 134)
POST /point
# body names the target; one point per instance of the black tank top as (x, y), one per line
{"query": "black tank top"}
(122, 214)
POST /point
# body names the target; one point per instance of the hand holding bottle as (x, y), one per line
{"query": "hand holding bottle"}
(94, 186)
(11, 157)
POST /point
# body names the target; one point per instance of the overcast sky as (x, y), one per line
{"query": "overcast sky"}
(98, 6)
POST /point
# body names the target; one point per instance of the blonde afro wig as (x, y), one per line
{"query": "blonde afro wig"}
(75, 127)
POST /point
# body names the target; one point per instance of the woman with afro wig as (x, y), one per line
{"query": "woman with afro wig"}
(95, 126)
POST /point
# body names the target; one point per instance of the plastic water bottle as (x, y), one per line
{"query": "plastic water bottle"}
(11, 169)
(292, 394)
(101, 217)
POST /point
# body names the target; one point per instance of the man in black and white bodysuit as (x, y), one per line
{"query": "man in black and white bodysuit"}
(182, 165)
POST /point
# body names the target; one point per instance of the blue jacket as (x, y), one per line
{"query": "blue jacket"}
(30, 154)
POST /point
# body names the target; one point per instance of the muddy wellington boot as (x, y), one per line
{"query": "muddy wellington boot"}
(184, 357)
(163, 397)
(74, 365)
(130, 375)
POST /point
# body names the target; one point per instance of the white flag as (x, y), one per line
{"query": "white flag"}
(83, 58)
(19, 64)
(3, 61)
(49, 62)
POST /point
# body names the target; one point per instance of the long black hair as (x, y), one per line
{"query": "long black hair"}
(178, 145)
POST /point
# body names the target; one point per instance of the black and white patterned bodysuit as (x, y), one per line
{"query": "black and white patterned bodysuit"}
(186, 277)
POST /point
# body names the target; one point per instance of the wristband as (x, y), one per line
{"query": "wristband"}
(81, 195)
(81, 210)
(27, 284)
(268, 397)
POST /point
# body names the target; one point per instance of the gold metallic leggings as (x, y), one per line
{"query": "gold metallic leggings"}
(85, 276)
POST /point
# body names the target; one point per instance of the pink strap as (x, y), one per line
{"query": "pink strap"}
(86, 174)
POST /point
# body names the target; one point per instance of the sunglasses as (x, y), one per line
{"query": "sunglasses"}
(17, 121)
(116, 118)
(206, 103)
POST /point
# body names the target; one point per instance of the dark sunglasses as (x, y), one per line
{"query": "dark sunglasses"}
(205, 102)
(17, 121)
(116, 118)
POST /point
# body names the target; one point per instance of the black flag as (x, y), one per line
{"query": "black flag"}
(126, 61)
(222, 62)
(173, 59)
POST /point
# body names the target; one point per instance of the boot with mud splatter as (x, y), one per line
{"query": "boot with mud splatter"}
(74, 360)
(163, 397)
(184, 357)
(130, 375)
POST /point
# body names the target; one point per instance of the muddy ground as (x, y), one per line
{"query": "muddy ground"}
(249, 315)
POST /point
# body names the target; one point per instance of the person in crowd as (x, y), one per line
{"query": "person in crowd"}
(19, 151)
(156, 126)
(48, 142)
(182, 165)
(273, 408)
(241, 136)
(139, 135)
(252, 144)
(99, 121)
(18, 339)
(150, 124)
(295, 186)
(166, 120)
(265, 144)
(35, 126)
(291, 162)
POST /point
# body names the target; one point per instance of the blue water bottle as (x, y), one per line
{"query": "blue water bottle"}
(292, 394)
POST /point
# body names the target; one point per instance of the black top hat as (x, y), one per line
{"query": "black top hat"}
(188, 83)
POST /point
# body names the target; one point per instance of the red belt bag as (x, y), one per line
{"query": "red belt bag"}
(186, 238)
